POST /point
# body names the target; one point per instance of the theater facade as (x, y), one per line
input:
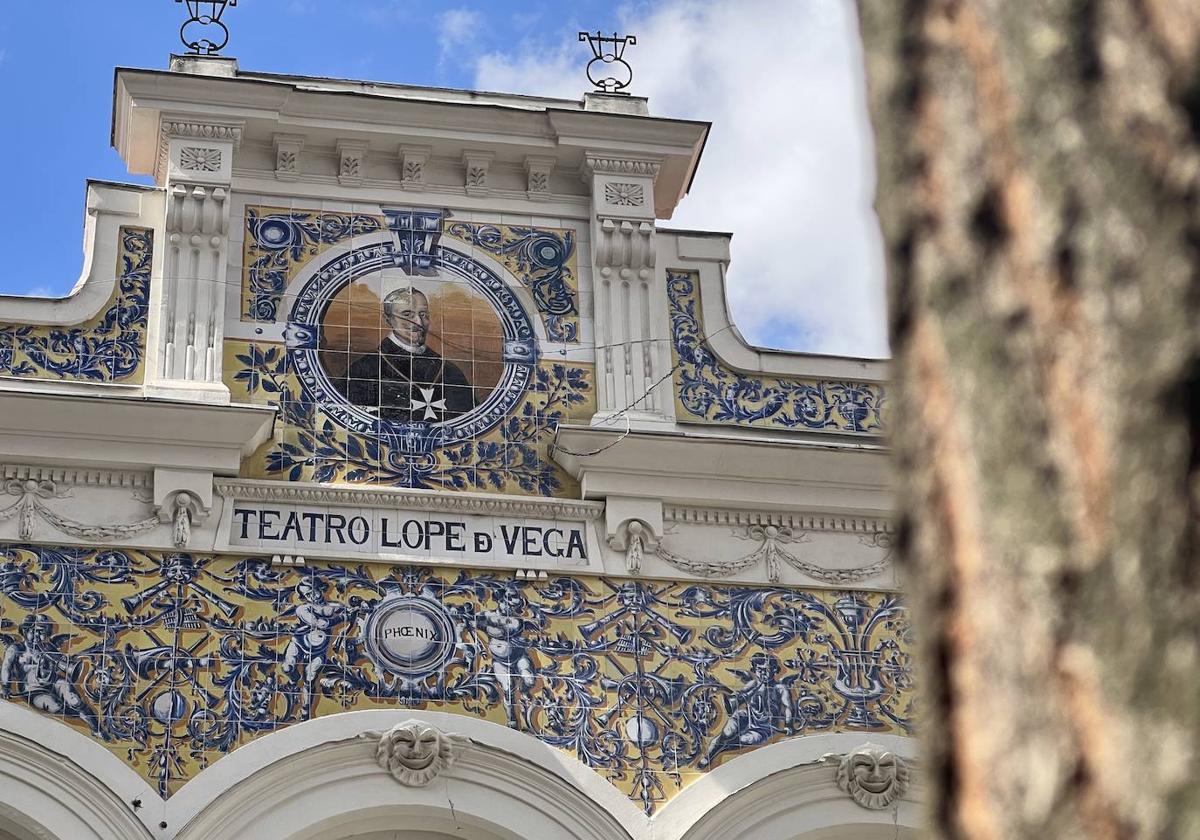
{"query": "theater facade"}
(391, 473)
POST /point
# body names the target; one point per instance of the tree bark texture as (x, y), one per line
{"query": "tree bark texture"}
(1039, 193)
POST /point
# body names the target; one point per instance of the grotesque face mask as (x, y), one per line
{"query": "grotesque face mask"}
(416, 748)
(874, 777)
(416, 753)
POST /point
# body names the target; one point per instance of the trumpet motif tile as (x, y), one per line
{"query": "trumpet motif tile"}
(174, 660)
(111, 347)
(708, 391)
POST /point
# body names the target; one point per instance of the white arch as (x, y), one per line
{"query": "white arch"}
(784, 791)
(316, 777)
(50, 797)
(318, 780)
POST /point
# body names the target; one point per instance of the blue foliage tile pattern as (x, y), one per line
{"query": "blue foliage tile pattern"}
(109, 348)
(277, 241)
(707, 391)
(173, 660)
(541, 258)
(469, 400)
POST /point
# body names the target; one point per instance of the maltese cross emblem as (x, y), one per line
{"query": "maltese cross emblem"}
(427, 402)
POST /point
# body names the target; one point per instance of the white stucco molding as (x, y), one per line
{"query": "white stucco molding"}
(748, 470)
(306, 779)
(59, 784)
(783, 791)
(109, 206)
(127, 433)
(708, 255)
(323, 110)
(312, 778)
(483, 504)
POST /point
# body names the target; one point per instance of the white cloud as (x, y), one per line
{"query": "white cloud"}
(788, 166)
(41, 291)
(455, 28)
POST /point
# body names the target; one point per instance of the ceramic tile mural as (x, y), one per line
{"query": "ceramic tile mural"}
(173, 660)
(278, 242)
(399, 359)
(544, 261)
(111, 347)
(707, 391)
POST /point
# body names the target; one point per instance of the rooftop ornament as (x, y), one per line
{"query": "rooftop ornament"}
(203, 33)
(609, 53)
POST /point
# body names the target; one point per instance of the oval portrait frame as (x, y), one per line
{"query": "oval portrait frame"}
(301, 335)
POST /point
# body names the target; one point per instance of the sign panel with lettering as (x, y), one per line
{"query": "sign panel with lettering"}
(405, 535)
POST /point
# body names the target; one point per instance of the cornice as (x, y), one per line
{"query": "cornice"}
(577, 200)
(613, 165)
(77, 476)
(128, 433)
(464, 503)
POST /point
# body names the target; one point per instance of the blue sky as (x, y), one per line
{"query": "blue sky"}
(794, 188)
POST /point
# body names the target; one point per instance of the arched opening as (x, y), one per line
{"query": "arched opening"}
(11, 829)
(400, 823)
(319, 780)
(875, 831)
(788, 791)
(48, 796)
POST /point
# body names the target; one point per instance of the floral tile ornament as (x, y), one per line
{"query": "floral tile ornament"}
(543, 259)
(277, 242)
(111, 347)
(708, 391)
(174, 660)
(309, 446)
(405, 361)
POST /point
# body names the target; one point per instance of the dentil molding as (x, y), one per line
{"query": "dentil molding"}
(466, 503)
(621, 166)
(796, 521)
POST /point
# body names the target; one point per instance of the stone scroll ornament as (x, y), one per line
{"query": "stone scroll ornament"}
(874, 777)
(415, 752)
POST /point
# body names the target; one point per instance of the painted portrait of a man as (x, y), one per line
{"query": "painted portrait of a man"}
(406, 379)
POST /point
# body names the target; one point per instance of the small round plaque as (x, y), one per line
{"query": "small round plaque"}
(410, 635)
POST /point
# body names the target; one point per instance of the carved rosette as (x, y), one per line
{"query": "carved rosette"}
(415, 753)
(873, 776)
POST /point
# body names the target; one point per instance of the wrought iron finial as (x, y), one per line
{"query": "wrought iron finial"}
(609, 52)
(203, 33)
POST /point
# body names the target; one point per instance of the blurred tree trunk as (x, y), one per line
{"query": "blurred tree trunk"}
(1039, 192)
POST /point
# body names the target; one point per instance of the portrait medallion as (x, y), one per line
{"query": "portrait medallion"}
(411, 341)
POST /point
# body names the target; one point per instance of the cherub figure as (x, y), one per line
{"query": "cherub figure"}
(42, 674)
(510, 652)
(309, 646)
(761, 709)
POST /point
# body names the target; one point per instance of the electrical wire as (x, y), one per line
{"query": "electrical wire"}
(445, 342)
